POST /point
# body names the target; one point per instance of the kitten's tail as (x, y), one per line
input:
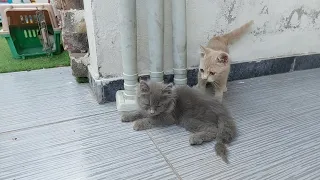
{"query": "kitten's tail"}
(222, 151)
(237, 33)
(226, 133)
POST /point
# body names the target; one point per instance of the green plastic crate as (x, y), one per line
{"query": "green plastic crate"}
(24, 42)
(20, 29)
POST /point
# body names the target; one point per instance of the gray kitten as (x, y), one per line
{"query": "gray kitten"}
(206, 118)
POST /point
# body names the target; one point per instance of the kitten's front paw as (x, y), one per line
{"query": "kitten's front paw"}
(141, 125)
(218, 98)
(225, 89)
(126, 118)
(195, 140)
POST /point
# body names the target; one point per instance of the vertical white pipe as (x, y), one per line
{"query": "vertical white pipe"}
(155, 36)
(128, 32)
(179, 41)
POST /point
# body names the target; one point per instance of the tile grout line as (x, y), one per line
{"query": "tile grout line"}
(48, 124)
(165, 158)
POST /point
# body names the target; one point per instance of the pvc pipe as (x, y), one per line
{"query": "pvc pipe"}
(128, 32)
(179, 41)
(155, 36)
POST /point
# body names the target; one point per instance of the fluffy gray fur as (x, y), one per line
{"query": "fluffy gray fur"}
(205, 117)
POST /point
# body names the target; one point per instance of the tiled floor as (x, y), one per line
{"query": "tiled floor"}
(52, 128)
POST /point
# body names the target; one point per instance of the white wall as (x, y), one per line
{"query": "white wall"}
(282, 28)
(91, 33)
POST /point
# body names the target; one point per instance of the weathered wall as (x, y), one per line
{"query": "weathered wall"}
(282, 28)
(106, 31)
(91, 33)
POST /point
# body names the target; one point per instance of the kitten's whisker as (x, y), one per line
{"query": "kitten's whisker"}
(216, 84)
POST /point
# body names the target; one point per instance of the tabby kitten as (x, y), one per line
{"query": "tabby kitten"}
(215, 61)
(50, 39)
(206, 118)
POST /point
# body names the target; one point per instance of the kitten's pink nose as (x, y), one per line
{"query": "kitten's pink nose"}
(151, 111)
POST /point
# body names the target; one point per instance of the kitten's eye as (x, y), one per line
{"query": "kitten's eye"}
(201, 70)
(212, 73)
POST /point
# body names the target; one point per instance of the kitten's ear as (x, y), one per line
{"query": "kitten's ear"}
(223, 58)
(167, 88)
(144, 87)
(204, 51)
